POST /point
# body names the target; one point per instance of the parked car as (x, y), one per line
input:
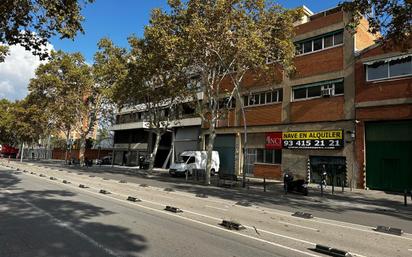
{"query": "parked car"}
(8, 151)
(106, 160)
(191, 160)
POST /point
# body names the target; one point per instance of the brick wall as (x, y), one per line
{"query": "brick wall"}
(396, 112)
(380, 90)
(263, 115)
(229, 121)
(360, 152)
(319, 23)
(90, 154)
(319, 109)
(261, 170)
(325, 61)
(254, 79)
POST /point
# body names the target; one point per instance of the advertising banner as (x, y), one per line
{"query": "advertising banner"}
(273, 140)
(329, 139)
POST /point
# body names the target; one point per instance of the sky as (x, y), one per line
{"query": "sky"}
(115, 19)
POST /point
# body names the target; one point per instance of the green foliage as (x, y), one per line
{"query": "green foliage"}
(58, 143)
(21, 121)
(221, 39)
(3, 52)
(6, 122)
(31, 23)
(390, 20)
(63, 88)
(227, 38)
(109, 71)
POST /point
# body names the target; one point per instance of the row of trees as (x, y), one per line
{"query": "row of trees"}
(196, 46)
(199, 46)
(64, 97)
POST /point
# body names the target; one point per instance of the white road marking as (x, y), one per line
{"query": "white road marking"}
(68, 227)
(286, 214)
(209, 225)
(299, 226)
(330, 222)
(199, 222)
(210, 217)
(198, 214)
(410, 250)
(208, 206)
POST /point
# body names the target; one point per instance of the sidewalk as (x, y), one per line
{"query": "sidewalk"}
(355, 198)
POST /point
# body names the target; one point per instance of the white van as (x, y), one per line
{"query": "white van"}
(191, 160)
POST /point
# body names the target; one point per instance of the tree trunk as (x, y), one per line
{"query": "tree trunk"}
(22, 152)
(210, 143)
(82, 149)
(154, 152)
(67, 146)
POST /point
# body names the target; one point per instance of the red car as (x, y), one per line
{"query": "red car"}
(8, 151)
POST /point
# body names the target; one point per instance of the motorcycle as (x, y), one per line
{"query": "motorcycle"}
(294, 186)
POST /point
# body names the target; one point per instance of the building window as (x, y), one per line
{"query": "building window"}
(307, 47)
(391, 68)
(261, 98)
(270, 156)
(224, 103)
(316, 90)
(328, 41)
(261, 155)
(319, 43)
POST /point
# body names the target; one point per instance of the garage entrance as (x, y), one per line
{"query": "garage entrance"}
(389, 155)
(225, 145)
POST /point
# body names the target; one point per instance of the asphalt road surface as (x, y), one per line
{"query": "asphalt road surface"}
(41, 216)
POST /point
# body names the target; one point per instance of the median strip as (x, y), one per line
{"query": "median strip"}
(133, 199)
(173, 209)
(105, 192)
(332, 251)
(229, 224)
(304, 215)
(389, 230)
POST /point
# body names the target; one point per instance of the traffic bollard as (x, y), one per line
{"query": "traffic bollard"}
(405, 198)
(264, 184)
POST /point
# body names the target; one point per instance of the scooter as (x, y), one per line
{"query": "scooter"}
(294, 186)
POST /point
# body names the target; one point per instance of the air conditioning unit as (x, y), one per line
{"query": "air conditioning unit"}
(327, 92)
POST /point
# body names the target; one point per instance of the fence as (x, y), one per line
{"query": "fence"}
(37, 153)
(91, 154)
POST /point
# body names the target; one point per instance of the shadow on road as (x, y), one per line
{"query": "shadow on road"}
(50, 223)
(334, 204)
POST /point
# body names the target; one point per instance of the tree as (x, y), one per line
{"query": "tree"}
(390, 20)
(31, 23)
(3, 52)
(6, 121)
(21, 122)
(225, 39)
(109, 71)
(30, 121)
(155, 82)
(71, 97)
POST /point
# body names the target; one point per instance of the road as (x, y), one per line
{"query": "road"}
(44, 217)
(356, 207)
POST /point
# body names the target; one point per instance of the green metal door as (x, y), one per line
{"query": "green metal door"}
(389, 155)
(225, 145)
